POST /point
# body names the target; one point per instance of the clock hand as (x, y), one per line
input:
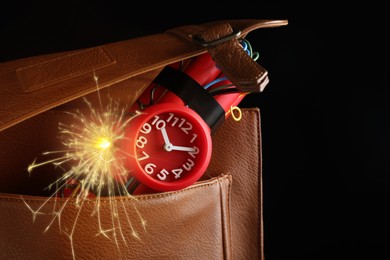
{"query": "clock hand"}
(170, 147)
(165, 135)
(182, 148)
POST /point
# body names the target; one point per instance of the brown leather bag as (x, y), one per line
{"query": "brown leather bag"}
(218, 217)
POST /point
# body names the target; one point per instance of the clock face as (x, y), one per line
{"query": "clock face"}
(171, 147)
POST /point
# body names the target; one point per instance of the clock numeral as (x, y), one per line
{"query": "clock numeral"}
(177, 172)
(182, 122)
(159, 123)
(149, 168)
(187, 128)
(146, 156)
(170, 117)
(141, 141)
(146, 128)
(194, 152)
(193, 138)
(163, 174)
(175, 119)
(155, 119)
(188, 165)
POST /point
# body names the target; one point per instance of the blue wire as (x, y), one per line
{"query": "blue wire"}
(215, 81)
(244, 45)
(246, 48)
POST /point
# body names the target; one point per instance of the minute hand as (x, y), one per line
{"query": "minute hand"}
(183, 148)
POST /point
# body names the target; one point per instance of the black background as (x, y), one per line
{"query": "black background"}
(325, 113)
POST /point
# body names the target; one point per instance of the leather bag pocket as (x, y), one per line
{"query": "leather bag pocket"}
(192, 223)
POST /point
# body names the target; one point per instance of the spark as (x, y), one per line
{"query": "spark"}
(103, 144)
(90, 161)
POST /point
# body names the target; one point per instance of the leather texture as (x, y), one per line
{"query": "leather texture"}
(237, 152)
(187, 224)
(33, 85)
(219, 217)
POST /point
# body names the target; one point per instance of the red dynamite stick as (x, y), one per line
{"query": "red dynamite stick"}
(228, 100)
(202, 69)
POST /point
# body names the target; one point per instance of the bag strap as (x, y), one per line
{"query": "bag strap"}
(33, 85)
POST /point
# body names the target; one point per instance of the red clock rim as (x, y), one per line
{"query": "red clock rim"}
(132, 163)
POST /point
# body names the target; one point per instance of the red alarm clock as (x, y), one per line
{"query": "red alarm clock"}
(169, 147)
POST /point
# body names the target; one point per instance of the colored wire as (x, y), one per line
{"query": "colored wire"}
(132, 184)
(141, 105)
(225, 91)
(151, 102)
(221, 87)
(214, 82)
(248, 49)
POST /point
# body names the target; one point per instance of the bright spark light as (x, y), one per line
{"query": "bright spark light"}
(103, 144)
(90, 159)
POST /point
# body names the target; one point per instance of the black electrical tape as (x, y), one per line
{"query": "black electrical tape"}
(193, 95)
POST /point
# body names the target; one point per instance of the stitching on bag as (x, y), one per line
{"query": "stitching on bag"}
(259, 238)
(229, 216)
(137, 197)
(53, 70)
(161, 195)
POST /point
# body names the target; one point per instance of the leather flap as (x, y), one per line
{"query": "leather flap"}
(33, 85)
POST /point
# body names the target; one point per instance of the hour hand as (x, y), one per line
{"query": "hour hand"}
(165, 135)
